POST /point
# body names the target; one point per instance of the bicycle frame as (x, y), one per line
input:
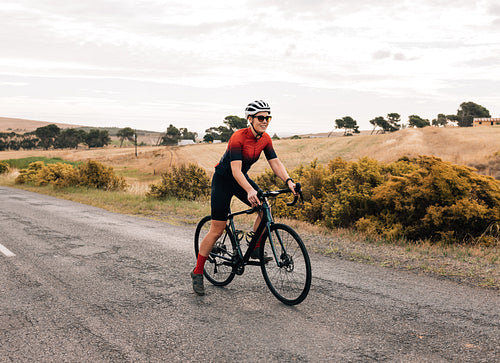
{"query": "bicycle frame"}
(264, 227)
(265, 223)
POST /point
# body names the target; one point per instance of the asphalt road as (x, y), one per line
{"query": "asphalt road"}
(84, 284)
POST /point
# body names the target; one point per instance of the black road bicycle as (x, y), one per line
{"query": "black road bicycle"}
(287, 274)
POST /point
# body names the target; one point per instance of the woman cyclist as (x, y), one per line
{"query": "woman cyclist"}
(231, 178)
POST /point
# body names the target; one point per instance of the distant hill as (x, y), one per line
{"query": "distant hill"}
(20, 126)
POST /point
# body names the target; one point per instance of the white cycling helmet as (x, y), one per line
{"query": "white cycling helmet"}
(256, 107)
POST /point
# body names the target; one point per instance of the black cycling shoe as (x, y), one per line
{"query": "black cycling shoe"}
(198, 287)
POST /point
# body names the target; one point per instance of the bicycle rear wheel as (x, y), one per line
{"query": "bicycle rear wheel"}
(219, 266)
(289, 279)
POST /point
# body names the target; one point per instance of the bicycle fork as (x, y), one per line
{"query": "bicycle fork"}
(284, 260)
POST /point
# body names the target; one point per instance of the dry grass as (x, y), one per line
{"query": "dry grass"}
(457, 145)
(464, 146)
(475, 265)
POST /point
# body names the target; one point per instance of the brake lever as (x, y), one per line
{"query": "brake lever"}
(298, 189)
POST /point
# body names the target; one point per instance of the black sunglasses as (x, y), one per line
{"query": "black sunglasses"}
(262, 118)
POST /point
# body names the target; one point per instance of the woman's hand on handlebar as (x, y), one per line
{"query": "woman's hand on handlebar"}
(291, 185)
(253, 198)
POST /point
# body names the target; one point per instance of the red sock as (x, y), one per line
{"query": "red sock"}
(200, 264)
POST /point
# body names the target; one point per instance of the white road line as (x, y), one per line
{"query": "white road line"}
(6, 251)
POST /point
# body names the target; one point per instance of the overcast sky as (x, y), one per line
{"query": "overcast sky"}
(150, 63)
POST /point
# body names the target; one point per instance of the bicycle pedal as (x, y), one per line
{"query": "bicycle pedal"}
(239, 270)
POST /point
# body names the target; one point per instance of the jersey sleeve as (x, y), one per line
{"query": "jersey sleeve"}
(235, 148)
(269, 150)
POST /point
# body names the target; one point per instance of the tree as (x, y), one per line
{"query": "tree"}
(441, 120)
(208, 138)
(221, 133)
(235, 123)
(224, 133)
(211, 134)
(172, 136)
(14, 145)
(47, 135)
(82, 135)
(453, 118)
(394, 120)
(126, 133)
(417, 121)
(29, 143)
(188, 135)
(377, 122)
(468, 111)
(351, 125)
(339, 123)
(97, 138)
(70, 138)
(389, 125)
(348, 124)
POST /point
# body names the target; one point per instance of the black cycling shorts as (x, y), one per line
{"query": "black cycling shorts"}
(223, 189)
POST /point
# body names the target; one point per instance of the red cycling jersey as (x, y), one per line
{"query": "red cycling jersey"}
(245, 147)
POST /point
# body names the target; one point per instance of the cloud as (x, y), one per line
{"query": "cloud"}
(382, 54)
(222, 52)
(487, 62)
(15, 84)
(387, 54)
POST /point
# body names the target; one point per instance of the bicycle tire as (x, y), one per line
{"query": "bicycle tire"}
(291, 282)
(218, 271)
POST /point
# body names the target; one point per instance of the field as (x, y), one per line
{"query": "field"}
(466, 146)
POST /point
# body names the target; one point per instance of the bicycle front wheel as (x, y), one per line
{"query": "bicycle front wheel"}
(219, 266)
(289, 276)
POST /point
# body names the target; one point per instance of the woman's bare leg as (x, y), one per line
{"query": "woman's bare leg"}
(216, 230)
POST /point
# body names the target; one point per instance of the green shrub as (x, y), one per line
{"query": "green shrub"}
(93, 174)
(4, 167)
(29, 175)
(437, 201)
(348, 190)
(312, 178)
(338, 194)
(183, 182)
(420, 198)
(60, 174)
